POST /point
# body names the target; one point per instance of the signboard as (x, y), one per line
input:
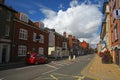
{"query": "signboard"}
(117, 13)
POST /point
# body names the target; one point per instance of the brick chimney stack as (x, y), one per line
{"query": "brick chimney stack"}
(64, 34)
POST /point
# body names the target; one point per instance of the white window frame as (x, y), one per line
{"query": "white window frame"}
(34, 37)
(22, 50)
(8, 16)
(41, 38)
(23, 34)
(7, 30)
(116, 32)
(41, 50)
(24, 17)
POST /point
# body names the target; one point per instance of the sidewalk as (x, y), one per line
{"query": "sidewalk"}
(100, 71)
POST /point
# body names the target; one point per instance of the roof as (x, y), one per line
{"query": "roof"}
(9, 8)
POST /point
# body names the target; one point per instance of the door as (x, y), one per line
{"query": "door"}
(117, 56)
(4, 52)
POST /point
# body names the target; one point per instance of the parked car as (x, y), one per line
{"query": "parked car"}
(34, 58)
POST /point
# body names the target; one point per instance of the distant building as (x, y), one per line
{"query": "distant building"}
(57, 44)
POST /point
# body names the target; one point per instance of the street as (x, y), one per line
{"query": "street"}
(55, 70)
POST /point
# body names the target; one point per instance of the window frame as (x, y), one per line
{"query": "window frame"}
(116, 34)
(41, 50)
(7, 30)
(34, 37)
(23, 34)
(22, 50)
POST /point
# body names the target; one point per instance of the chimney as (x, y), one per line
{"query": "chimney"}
(70, 41)
(64, 34)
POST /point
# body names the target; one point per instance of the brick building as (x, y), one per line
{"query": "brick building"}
(28, 37)
(110, 33)
(115, 30)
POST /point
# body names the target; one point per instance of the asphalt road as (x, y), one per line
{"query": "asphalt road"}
(55, 70)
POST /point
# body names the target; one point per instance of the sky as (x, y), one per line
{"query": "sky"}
(81, 18)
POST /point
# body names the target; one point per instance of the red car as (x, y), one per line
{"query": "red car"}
(34, 58)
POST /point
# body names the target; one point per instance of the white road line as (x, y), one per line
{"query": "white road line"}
(49, 71)
(58, 64)
(51, 66)
(2, 78)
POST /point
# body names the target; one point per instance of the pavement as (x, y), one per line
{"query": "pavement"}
(101, 71)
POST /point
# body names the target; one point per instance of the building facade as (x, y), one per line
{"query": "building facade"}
(115, 30)
(28, 37)
(6, 35)
(110, 34)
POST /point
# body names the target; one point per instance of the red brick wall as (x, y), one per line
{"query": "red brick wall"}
(58, 40)
(70, 41)
(29, 42)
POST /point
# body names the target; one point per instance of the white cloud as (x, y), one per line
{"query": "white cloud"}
(31, 11)
(79, 20)
(49, 13)
(74, 3)
(61, 6)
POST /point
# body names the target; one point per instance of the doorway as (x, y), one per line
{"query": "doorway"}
(5, 53)
(117, 55)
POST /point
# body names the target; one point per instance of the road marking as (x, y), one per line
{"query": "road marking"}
(65, 75)
(58, 64)
(53, 77)
(49, 71)
(2, 78)
(51, 66)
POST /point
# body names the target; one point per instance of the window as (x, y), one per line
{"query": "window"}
(24, 17)
(116, 32)
(8, 16)
(41, 39)
(7, 30)
(34, 37)
(41, 50)
(23, 34)
(107, 9)
(22, 50)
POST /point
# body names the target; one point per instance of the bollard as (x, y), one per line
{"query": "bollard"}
(69, 58)
(73, 57)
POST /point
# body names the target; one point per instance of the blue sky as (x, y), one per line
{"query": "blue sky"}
(81, 18)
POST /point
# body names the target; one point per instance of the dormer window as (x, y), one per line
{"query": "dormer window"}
(24, 17)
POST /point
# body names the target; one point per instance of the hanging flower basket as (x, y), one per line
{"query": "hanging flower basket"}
(106, 57)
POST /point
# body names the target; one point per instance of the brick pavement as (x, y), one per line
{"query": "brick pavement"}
(100, 71)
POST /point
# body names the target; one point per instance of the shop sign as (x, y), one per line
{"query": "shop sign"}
(117, 14)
